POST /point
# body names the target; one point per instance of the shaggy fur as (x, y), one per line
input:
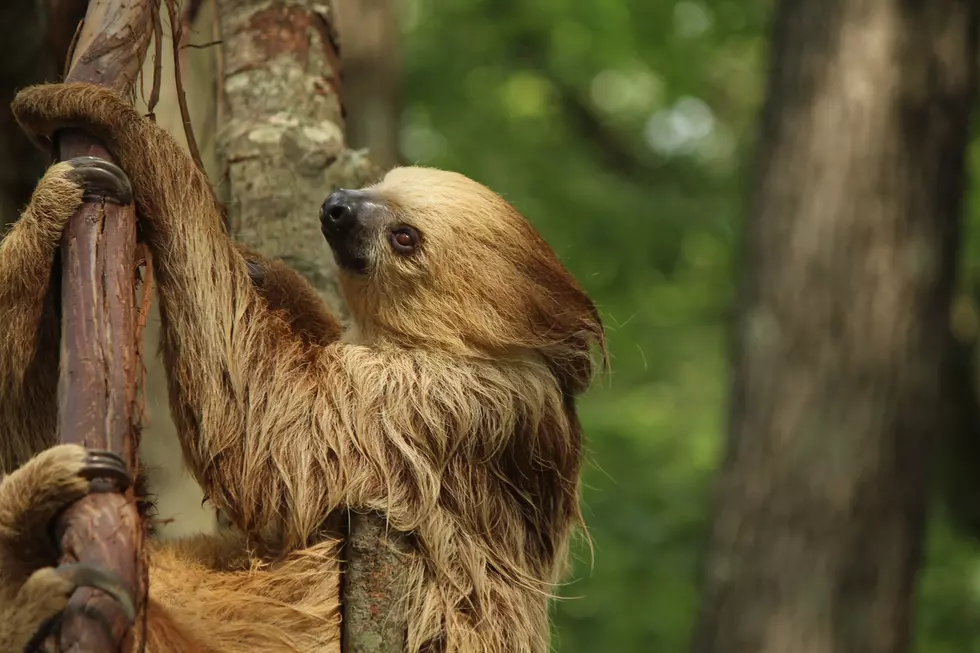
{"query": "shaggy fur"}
(208, 593)
(449, 407)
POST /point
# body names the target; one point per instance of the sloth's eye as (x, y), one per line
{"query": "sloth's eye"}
(404, 240)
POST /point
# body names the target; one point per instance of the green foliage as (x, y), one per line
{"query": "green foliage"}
(949, 593)
(623, 129)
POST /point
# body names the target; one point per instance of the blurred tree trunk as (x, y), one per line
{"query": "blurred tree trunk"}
(958, 467)
(843, 332)
(282, 149)
(372, 77)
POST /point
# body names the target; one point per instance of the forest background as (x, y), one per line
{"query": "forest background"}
(624, 130)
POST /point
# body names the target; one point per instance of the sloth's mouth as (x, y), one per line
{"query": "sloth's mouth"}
(349, 261)
(347, 250)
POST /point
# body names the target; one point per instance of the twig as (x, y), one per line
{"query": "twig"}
(177, 31)
(157, 61)
(71, 46)
(201, 46)
(219, 64)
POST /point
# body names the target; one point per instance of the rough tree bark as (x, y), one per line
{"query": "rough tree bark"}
(98, 382)
(283, 151)
(851, 248)
(282, 134)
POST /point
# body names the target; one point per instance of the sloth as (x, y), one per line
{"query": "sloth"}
(448, 406)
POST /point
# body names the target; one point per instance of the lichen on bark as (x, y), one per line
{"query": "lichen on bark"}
(281, 144)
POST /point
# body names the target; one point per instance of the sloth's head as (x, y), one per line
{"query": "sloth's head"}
(433, 259)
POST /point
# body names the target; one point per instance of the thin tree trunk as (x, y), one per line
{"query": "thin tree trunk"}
(282, 133)
(283, 151)
(957, 479)
(98, 382)
(851, 249)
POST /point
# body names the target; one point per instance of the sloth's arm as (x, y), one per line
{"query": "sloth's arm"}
(262, 410)
(29, 325)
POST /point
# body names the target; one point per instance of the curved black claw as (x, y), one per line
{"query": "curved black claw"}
(101, 179)
(255, 271)
(106, 464)
(83, 575)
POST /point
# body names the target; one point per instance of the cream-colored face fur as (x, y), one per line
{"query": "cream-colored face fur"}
(479, 281)
(464, 234)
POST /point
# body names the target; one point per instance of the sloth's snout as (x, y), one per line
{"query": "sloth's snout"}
(345, 220)
(341, 210)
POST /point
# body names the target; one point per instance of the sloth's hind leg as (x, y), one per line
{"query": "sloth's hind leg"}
(32, 590)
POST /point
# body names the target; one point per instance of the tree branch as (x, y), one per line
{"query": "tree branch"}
(98, 358)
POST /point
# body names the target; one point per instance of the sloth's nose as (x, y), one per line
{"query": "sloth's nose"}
(340, 211)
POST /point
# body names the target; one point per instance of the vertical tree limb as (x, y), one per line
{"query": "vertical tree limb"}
(283, 148)
(843, 333)
(99, 368)
(282, 141)
(371, 593)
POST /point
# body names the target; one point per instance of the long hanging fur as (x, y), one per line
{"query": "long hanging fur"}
(449, 407)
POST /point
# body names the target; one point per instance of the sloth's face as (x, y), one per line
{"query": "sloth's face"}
(403, 225)
(427, 244)
(433, 257)
(358, 224)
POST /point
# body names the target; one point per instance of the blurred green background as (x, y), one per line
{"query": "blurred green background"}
(624, 130)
